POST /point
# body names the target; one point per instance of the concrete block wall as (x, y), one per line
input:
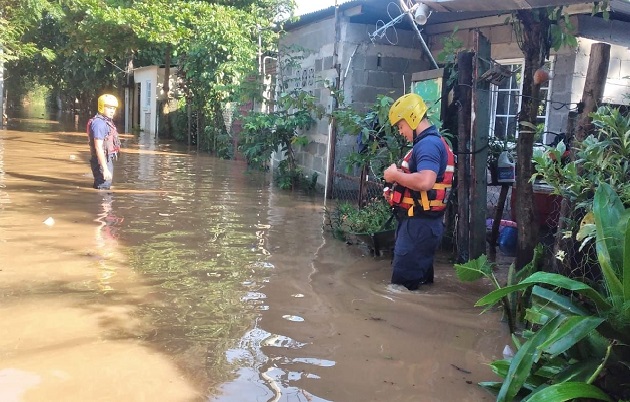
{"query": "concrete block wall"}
(367, 70)
(617, 35)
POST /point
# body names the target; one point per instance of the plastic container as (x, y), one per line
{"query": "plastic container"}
(506, 168)
(508, 236)
(508, 240)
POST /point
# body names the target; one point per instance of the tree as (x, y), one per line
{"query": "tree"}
(16, 18)
(89, 45)
(539, 30)
(536, 46)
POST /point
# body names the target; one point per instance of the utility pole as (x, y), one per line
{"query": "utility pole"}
(332, 126)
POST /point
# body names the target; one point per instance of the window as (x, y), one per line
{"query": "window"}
(506, 103)
(147, 98)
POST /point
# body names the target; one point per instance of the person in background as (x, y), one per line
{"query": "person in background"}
(419, 192)
(104, 142)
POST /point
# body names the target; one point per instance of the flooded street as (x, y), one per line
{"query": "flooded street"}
(195, 279)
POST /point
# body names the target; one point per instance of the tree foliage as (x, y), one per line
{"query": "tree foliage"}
(85, 46)
(16, 18)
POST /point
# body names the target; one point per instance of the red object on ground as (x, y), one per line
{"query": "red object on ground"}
(546, 205)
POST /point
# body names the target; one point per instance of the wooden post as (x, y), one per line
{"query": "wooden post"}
(591, 98)
(479, 145)
(593, 87)
(189, 114)
(332, 138)
(464, 79)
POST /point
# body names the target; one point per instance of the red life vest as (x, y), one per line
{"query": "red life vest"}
(111, 142)
(432, 202)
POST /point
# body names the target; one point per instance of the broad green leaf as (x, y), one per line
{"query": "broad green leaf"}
(608, 208)
(536, 317)
(549, 279)
(474, 269)
(517, 342)
(493, 386)
(532, 266)
(522, 362)
(500, 367)
(626, 263)
(580, 371)
(552, 367)
(571, 331)
(567, 391)
(550, 303)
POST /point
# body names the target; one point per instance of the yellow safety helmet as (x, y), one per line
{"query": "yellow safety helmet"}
(106, 100)
(409, 107)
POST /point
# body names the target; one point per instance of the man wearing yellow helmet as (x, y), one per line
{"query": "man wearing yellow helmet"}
(104, 142)
(420, 188)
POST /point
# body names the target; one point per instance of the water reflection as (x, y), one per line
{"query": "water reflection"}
(106, 239)
(4, 195)
(260, 378)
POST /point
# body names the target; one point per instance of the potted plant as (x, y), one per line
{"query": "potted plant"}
(372, 224)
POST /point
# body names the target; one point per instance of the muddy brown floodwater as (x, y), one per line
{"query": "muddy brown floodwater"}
(197, 280)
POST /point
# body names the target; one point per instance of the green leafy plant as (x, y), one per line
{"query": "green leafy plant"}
(448, 56)
(265, 133)
(282, 130)
(345, 219)
(512, 303)
(379, 143)
(288, 179)
(576, 345)
(603, 157)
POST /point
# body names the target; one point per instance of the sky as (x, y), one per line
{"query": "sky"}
(308, 6)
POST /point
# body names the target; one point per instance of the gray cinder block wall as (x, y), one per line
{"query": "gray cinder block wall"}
(366, 69)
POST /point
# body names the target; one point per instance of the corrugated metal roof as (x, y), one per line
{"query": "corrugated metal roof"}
(494, 5)
(373, 11)
(444, 10)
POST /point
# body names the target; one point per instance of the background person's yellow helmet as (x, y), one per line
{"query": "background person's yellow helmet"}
(409, 107)
(106, 100)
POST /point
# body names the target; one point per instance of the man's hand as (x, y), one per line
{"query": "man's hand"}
(107, 175)
(391, 173)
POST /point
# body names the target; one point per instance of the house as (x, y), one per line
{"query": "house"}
(370, 48)
(146, 96)
(567, 65)
(346, 45)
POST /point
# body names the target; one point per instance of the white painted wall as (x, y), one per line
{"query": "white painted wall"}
(147, 77)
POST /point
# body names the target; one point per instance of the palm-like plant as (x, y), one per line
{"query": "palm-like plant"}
(577, 332)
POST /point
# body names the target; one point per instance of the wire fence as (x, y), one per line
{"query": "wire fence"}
(354, 184)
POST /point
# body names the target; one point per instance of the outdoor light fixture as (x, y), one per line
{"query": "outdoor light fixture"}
(421, 14)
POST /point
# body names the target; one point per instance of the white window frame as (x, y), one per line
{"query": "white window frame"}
(495, 91)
